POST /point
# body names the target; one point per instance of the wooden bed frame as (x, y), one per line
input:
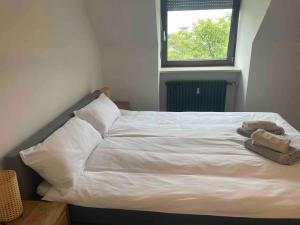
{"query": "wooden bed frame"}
(29, 180)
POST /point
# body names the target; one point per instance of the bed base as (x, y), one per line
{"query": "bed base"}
(94, 216)
(29, 180)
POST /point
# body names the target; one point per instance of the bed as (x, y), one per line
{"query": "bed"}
(173, 168)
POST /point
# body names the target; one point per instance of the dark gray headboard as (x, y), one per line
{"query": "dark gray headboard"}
(27, 178)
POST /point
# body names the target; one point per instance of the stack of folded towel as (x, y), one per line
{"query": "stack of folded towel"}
(249, 127)
(260, 124)
(275, 142)
(273, 147)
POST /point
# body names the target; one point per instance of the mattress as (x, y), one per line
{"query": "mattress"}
(196, 168)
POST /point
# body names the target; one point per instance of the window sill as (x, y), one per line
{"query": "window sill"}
(200, 69)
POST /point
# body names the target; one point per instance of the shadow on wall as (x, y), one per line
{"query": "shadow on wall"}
(252, 13)
(128, 41)
(274, 76)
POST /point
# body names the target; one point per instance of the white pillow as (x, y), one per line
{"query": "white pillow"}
(61, 157)
(43, 188)
(101, 113)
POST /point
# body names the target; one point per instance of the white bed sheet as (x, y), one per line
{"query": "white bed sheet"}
(208, 172)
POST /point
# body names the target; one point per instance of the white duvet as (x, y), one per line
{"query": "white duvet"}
(198, 167)
(168, 124)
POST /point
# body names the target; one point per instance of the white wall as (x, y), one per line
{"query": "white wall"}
(252, 13)
(49, 59)
(274, 77)
(127, 33)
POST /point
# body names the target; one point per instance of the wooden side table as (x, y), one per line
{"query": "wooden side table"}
(123, 105)
(43, 213)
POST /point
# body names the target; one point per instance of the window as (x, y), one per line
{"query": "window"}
(199, 32)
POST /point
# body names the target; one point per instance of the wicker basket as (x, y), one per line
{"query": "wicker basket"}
(10, 199)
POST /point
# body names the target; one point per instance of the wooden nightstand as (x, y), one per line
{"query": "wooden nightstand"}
(43, 213)
(123, 105)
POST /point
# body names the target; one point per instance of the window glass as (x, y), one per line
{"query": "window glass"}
(198, 34)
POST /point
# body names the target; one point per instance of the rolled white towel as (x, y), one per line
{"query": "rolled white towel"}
(272, 141)
(260, 124)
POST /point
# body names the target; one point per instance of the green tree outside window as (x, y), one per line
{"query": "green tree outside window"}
(207, 40)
